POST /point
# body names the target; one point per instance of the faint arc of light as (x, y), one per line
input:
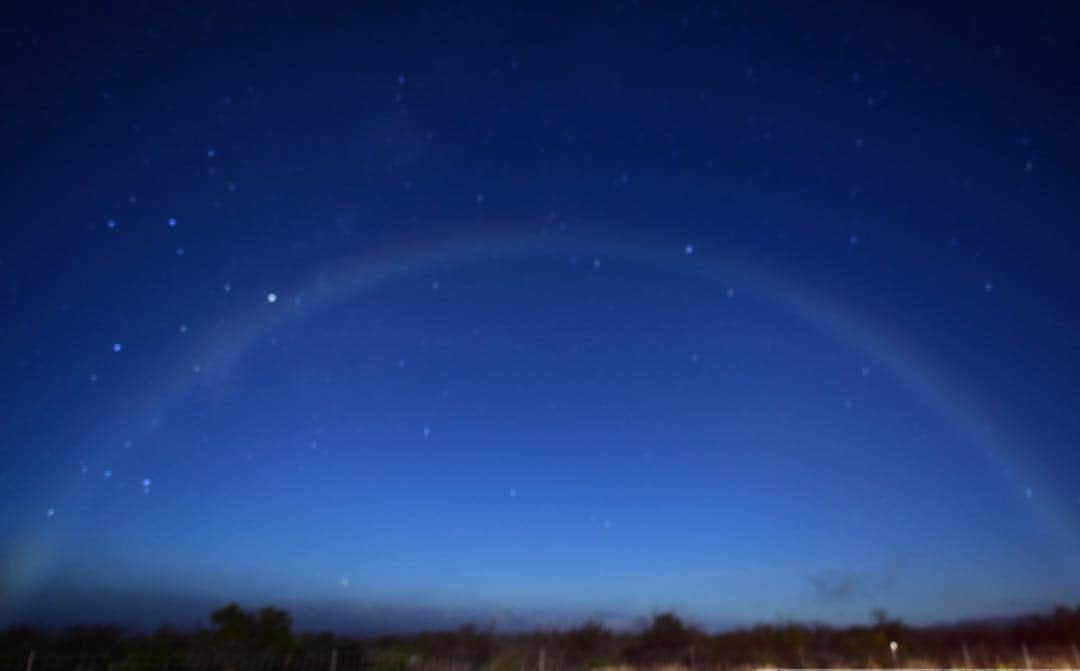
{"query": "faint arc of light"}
(220, 351)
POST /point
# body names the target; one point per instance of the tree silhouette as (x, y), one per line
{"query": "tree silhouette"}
(269, 630)
(665, 640)
(588, 645)
(272, 630)
(232, 626)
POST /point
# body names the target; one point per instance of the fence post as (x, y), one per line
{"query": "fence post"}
(1027, 657)
(30, 660)
(967, 657)
(540, 666)
(1076, 656)
(333, 660)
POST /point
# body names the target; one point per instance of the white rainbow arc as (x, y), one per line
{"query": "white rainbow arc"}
(220, 352)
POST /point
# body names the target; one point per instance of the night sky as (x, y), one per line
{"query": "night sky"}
(402, 316)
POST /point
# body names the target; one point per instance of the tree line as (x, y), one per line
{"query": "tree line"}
(237, 639)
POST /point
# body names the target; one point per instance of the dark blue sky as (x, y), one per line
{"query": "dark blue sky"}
(407, 317)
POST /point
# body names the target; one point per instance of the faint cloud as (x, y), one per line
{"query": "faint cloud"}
(833, 586)
(847, 584)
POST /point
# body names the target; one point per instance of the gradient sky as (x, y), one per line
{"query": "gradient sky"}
(461, 312)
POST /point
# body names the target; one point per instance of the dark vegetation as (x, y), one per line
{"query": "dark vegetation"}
(240, 640)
